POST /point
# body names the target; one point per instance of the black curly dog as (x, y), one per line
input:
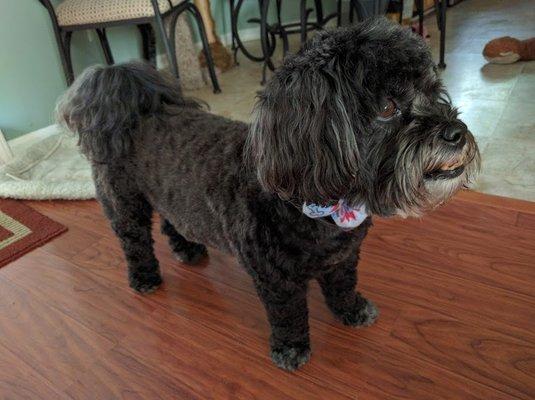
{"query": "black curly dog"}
(358, 114)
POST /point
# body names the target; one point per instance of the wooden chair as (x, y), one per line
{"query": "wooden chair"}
(76, 15)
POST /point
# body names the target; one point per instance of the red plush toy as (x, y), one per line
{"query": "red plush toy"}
(507, 50)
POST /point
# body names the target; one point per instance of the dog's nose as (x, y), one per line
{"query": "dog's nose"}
(454, 134)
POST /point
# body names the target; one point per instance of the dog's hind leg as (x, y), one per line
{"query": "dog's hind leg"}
(130, 215)
(185, 251)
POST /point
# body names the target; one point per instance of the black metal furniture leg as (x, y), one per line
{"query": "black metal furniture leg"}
(443, 5)
(285, 42)
(264, 74)
(205, 45)
(59, 34)
(440, 10)
(318, 6)
(165, 38)
(303, 12)
(172, 27)
(264, 39)
(420, 11)
(233, 28)
(278, 5)
(339, 13)
(66, 39)
(240, 46)
(148, 39)
(102, 37)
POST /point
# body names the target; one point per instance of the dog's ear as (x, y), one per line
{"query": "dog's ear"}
(303, 139)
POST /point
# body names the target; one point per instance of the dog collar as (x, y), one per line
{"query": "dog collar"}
(343, 215)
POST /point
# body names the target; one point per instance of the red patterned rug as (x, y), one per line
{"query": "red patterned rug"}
(22, 229)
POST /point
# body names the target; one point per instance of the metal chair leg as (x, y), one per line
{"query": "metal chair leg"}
(66, 46)
(148, 39)
(59, 34)
(165, 38)
(172, 26)
(285, 42)
(440, 10)
(356, 7)
(234, 45)
(205, 45)
(304, 14)
(441, 63)
(264, 74)
(102, 37)
(318, 7)
(339, 13)
(420, 10)
(264, 36)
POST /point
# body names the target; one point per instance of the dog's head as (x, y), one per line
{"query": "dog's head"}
(360, 114)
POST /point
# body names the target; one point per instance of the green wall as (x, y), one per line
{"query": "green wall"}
(31, 75)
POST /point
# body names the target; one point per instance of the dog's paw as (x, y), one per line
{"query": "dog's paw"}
(192, 254)
(289, 357)
(364, 313)
(145, 283)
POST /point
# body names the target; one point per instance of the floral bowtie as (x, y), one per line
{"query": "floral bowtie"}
(342, 214)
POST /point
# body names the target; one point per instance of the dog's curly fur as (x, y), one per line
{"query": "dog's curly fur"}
(316, 137)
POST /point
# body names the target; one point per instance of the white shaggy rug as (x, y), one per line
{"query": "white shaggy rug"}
(51, 168)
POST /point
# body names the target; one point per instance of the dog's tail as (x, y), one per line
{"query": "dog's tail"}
(106, 106)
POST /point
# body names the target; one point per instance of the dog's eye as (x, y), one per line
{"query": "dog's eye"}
(388, 110)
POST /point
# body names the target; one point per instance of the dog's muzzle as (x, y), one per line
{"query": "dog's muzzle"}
(454, 142)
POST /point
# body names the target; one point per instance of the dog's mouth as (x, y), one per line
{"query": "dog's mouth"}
(446, 171)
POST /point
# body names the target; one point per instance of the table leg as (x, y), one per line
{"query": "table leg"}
(420, 11)
(443, 5)
(233, 29)
(165, 38)
(303, 9)
(318, 6)
(264, 39)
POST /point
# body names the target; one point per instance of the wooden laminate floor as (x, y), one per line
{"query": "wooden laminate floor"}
(456, 292)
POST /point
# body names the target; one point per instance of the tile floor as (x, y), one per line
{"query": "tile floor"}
(497, 101)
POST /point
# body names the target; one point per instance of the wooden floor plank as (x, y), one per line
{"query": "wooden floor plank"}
(20, 381)
(494, 359)
(470, 196)
(462, 251)
(526, 221)
(415, 284)
(120, 375)
(456, 292)
(56, 346)
(90, 301)
(238, 315)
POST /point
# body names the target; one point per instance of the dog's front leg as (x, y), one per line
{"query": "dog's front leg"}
(338, 287)
(286, 306)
